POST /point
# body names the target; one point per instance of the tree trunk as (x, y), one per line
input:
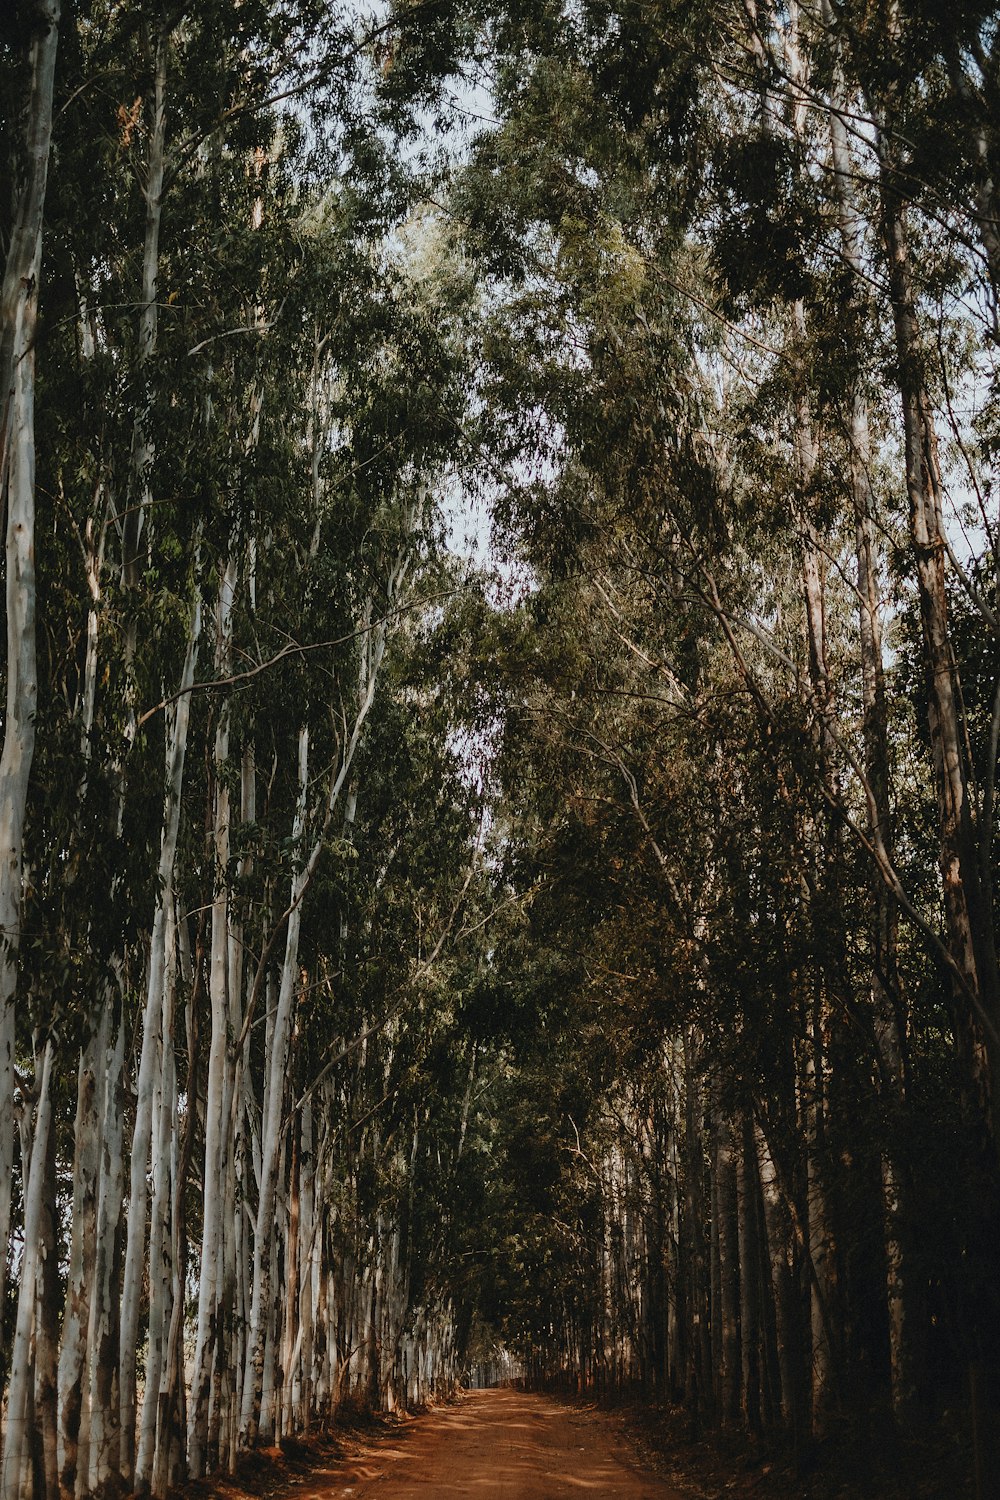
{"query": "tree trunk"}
(142, 441)
(82, 1253)
(971, 937)
(728, 1310)
(102, 1335)
(18, 1417)
(887, 1006)
(821, 1241)
(779, 1233)
(46, 1352)
(170, 1447)
(160, 1270)
(271, 1131)
(209, 1283)
(751, 1313)
(153, 1042)
(699, 1387)
(18, 317)
(309, 1275)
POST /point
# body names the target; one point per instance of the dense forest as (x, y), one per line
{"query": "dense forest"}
(498, 790)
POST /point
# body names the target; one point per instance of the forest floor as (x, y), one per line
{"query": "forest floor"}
(487, 1445)
(509, 1445)
(852, 1464)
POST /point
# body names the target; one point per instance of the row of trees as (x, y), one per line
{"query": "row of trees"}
(239, 846)
(746, 267)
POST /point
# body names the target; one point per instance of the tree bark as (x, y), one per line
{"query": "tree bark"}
(46, 1351)
(143, 450)
(102, 1334)
(19, 1390)
(887, 1005)
(971, 936)
(779, 1232)
(18, 317)
(153, 1043)
(83, 1249)
(160, 1268)
(751, 1313)
(271, 1129)
(730, 1359)
(209, 1282)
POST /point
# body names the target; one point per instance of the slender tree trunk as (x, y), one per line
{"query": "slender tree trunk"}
(83, 1247)
(18, 316)
(143, 450)
(821, 1239)
(46, 1351)
(271, 1129)
(751, 1313)
(269, 1377)
(209, 1284)
(728, 1310)
(19, 1390)
(699, 1384)
(971, 936)
(153, 1045)
(987, 199)
(780, 1239)
(236, 1259)
(102, 1335)
(309, 1275)
(171, 1447)
(292, 1271)
(160, 1270)
(821, 1232)
(887, 1005)
(132, 524)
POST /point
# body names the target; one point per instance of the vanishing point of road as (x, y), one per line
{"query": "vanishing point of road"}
(499, 1445)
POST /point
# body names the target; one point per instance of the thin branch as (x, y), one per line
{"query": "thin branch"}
(292, 649)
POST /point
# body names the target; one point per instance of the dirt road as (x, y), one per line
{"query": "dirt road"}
(501, 1445)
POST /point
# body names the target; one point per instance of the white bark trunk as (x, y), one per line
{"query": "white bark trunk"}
(17, 477)
(168, 1421)
(271, 1129)
(160, 1261)
(83, 1249)
(209, 1285)
(18, 1416)
(302, 1396)
(142, 442)
(101, 1408)
(152, 1040)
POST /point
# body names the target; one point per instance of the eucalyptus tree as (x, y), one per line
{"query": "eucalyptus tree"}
(665, 350)
(267, 401)
(18, 324)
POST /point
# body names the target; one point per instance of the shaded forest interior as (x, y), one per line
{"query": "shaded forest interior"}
(499, 758)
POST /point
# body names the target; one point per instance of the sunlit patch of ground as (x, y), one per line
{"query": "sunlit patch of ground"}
(378, 1454)
(307, 1468)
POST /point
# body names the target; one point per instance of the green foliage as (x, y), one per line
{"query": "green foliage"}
(768, 220)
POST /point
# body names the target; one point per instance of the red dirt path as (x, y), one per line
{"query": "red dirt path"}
(496, 1445)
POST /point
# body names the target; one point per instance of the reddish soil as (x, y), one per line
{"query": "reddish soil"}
(508, 1445)
(502, 1445)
